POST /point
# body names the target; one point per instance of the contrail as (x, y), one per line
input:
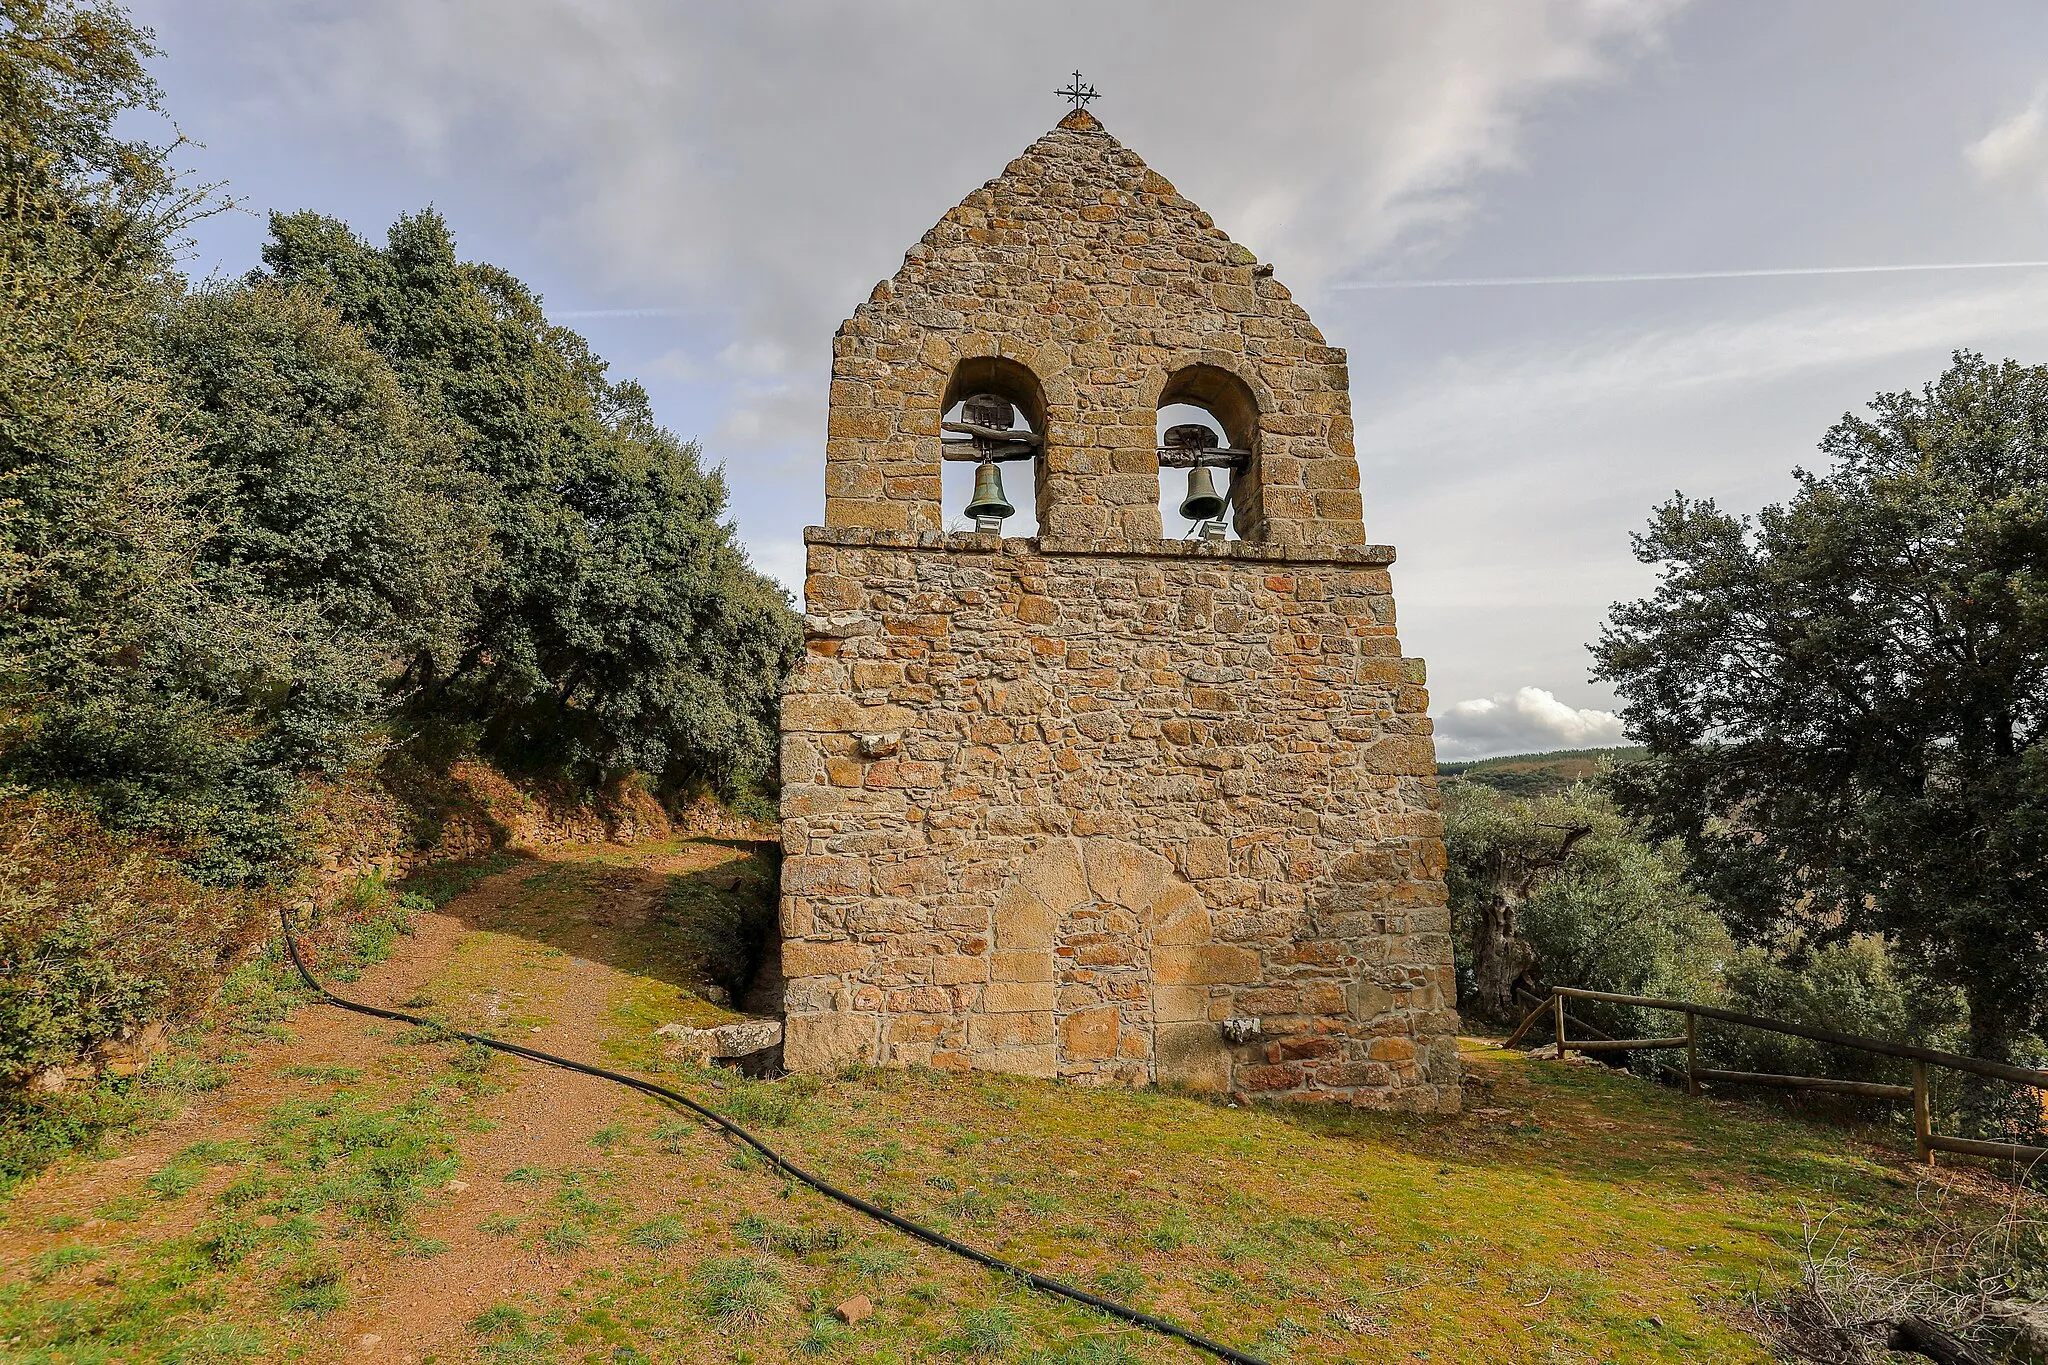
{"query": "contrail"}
(1654, 276)
(622, 313)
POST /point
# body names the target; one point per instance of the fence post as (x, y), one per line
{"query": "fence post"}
(1923, 1117)
(1558, 1002)
(1692, 1053)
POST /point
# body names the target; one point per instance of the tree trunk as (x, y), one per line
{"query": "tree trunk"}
(1993, 1109)
(1500, 956)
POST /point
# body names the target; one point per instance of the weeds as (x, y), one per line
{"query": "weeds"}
(827, 1333)
(57, 1260)
(216, 1344)
(1088, 1351)
(739, 1293)
(660, 1234)
(560, 1239)
(674, 1136)
(506, 1337)
(1120, 1281)
(225, 1241)
(770, 1104)
(313, 1286)
(987, 1332)
(789, 1241)
(172, 1182)
(876, 1260)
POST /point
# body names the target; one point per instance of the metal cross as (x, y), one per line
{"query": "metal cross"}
(1078, 94)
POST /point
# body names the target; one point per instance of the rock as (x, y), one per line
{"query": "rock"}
(705, 1045)
(456, 1186)
(856, 1309)
(882, 745)
(2024, 1318)
(716, 995)
(130, 1054)
(51, 1080)
(368, 1341)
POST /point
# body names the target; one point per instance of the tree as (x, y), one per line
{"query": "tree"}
(623, 628)
(1843, 697)
(1499, 850)
(125, 678)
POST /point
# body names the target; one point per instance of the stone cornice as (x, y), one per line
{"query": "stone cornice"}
(970, 542)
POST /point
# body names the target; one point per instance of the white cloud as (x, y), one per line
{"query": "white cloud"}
(2014, 154)
(1529, 720)
(755, 358)
(778, 158)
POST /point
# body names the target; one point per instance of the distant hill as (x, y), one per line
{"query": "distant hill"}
(1537, 774)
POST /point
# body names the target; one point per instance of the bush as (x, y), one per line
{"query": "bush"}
(1851, 987)
(99, 937)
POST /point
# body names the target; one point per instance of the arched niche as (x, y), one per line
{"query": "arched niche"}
(1022, 479)
(1214, 397)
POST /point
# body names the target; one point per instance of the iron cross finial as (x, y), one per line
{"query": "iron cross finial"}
(1078, 94)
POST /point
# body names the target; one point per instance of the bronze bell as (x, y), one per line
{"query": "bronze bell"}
(988, 503)
(1203, 502)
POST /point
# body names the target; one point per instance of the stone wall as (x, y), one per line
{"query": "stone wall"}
(1099, 805)
(1065, 808)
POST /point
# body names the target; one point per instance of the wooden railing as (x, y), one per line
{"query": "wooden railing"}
(1928, 1141)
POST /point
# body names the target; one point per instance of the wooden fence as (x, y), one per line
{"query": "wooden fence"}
(1922, 1058)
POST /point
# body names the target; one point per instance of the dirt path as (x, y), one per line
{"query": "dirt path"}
(542, 954)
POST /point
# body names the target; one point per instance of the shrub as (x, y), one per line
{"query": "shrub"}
(100, 936)
(1851, 987)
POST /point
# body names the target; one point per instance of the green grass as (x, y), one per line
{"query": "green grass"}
(439, 883)
(327, 1177)
(1571, 1216)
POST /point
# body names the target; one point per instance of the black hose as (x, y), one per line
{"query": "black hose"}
(1043, 1283)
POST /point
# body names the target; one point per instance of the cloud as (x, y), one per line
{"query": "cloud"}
(1528, 720)
(775, 160)
(2014, 154)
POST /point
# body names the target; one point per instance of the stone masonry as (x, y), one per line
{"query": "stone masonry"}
(1099, 805)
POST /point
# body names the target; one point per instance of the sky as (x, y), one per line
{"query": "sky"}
(705, 190)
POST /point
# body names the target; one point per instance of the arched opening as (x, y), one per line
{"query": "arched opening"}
(1205, 396)
(992, 393)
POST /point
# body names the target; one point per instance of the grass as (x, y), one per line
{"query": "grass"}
(1571, 1216)
(327, 1177)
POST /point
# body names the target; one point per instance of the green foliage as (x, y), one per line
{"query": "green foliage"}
(1844, 697)
(1571, 894)
(623, 629)
(1852, 986)
(99, 937)
(252, 533)
(660, 1234)
(739, 1292)
(986, 1332)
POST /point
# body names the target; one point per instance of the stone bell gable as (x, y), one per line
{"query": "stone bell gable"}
(1096, 804)
(1080, 278)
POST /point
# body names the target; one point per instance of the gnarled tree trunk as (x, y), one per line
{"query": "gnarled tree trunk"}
(1501, 957)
